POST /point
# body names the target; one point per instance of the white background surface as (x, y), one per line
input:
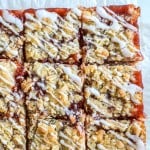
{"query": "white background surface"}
(145, 43)
(144, 27)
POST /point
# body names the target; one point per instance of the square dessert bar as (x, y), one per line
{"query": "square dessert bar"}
(109, 134)
(11, 97)
(111, 34)
(11, 34)
(52, 35)
(12, 134)
(49, 133)
(113, 91)
(53, 89)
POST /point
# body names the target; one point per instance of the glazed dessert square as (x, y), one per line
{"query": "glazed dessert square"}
(113, 91)
(11, 34)
(109, 134)
(11, 97)
(111, 34)
(52, 35)
(12, 134)
(53, 89)
(48, 133)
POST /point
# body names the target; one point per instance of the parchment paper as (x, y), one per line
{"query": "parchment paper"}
(144, 29)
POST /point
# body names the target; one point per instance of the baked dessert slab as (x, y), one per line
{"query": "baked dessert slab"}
(113, 91)
(53, 89)
(49, 133)
(11, 96)
(68, 77)
(11, 34)
(110, 134)
(52, 35)
(111, 34)
(12, 134)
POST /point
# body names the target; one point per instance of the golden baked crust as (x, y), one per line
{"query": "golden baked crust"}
(113, 91)
(55, 89)
(50, 133)
(115, 134)
(11, 38)
(52, 34)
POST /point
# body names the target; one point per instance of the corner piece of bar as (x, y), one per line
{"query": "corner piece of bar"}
(111, 134)
(113, 91)
(53, 35)
(49, 133)
(111, 34)
(53, 89)
(11, 34)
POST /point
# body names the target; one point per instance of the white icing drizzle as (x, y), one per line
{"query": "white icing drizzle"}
(53, 96)
(61, 134)
(12, 19)
(130, 88)
(28, 25)
(95, 107)
(139, 143)
(69, 18)
(137, 125)
(8, 130)
(32, 27)
(54, 18)
(11, 81)
(115, 24)
(39, 43)
(56, 42)
(13, 52)
(123, 126)
(74, 77)
(122, 21)
(19, 142)
(32, 95)
(40, 14)
(69, 112)
(115, 19)
(67, 145)
(8, 26)
(15, 125)
(104, 122)
(58, 108)
(91, 28)
(41, 85)
(101, 147)
(3, 140)
(17, 96)
(98, 23)
(5, 90)
(6, 81)
(93, 91)
(54, 135)
(77, 11)
(30, 17)
(49, 44)
(123, 138)
(68, 26)
(123, 47)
